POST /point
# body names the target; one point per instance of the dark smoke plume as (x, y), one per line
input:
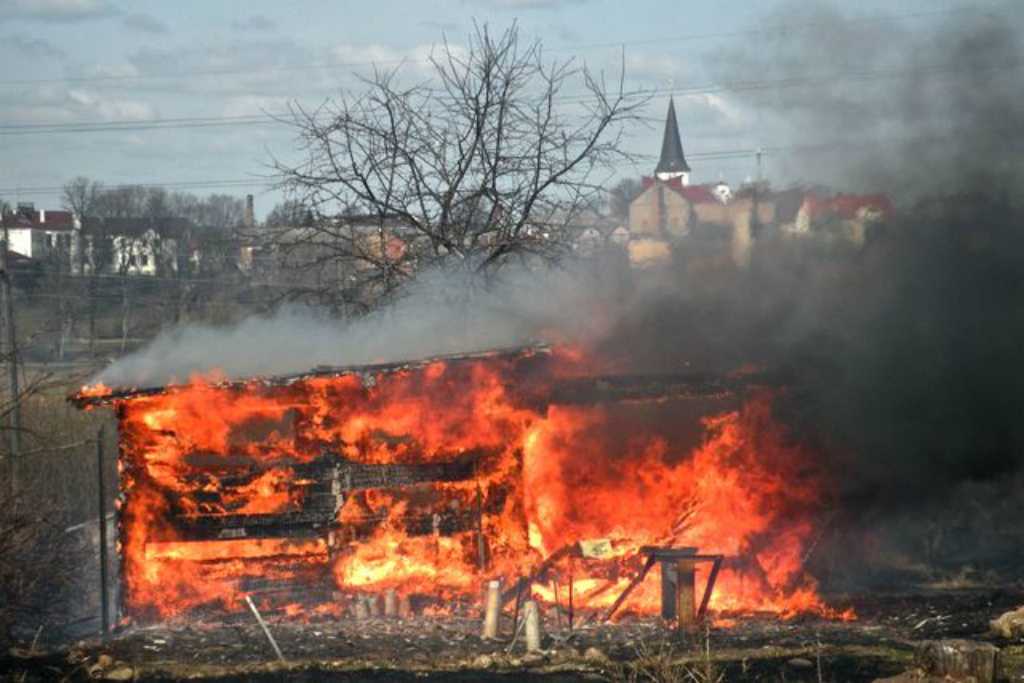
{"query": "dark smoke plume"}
(928, 101)
(907, 356)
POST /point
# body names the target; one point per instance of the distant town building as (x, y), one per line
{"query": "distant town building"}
(39, 235)
(670, 208)
(671, 213)
(844, 216)
(137, 246)
(120, 246)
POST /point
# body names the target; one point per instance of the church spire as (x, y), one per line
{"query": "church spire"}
(673, 163)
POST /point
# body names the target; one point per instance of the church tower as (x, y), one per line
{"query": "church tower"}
(673, 163)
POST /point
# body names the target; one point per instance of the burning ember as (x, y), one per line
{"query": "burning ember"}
(429, 477)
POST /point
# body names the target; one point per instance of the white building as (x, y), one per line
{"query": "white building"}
(135, 246)
(39, 234)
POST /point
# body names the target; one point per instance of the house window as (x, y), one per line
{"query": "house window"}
(144, 260)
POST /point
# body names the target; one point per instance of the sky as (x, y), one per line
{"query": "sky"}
(183, 94)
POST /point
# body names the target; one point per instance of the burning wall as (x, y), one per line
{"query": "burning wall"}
(427, 477)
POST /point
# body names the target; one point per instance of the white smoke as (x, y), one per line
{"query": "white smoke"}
(447, 312)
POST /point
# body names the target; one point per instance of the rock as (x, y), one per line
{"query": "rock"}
(1010, 625)
(912, 676)
(595, 655)
(531, 658)
(104, 661)
(120, 672)
(482, 662)
(801, 663)
(959, 659)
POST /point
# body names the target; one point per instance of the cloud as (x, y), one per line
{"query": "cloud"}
(254, 22)
(37, 48)
(414, 61)
(706, 109)
(271, 67)
(56, 10)
(527, 4)
(53, 104)
(443, 26)
(657, 69)
(116, 70)
(143, 22)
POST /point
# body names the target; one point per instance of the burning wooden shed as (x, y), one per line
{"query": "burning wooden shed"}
(425, 477)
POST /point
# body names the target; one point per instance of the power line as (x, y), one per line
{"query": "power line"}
(268, 184)
(132, 125)
(703, 89)
(824, 147)
(180, 185)
(924, 14)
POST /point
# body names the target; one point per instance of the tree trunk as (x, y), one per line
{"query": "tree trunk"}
(125, 313)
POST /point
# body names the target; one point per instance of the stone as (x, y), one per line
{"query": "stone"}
(1009, 625)
(483, 662)
(120, 672)
(959, 659)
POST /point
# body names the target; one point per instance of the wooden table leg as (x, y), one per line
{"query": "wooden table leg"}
(686, 607)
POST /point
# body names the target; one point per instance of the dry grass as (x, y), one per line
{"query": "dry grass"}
(47, 575)
(666, 662)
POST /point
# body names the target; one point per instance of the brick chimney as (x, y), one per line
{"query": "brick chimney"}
(249, 217)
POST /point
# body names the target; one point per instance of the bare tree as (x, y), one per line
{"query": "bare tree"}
(82, 196)
(622, 195)
(289, 213)
(488, 160)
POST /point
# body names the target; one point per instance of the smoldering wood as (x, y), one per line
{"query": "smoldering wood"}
(686, 605)
(553, 391)
(541, 572)
(390, 603)
(492, 610)
(648, 387)
(368, 373)
(636, 580)
(959, 660)
(531, 615)
(320, 490)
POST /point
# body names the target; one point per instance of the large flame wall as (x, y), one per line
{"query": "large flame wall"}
(543, 477)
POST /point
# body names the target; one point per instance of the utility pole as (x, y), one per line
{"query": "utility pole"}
(10, 350)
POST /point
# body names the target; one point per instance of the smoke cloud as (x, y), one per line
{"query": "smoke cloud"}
(921, 103)
(445, 312)
(906, 355)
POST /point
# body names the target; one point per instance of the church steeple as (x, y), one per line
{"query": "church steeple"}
(673, 163)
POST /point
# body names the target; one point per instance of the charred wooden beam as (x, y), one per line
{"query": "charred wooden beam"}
(316, 522)
(564, 390)
(352, 476)
(368, 373)
(623, 388)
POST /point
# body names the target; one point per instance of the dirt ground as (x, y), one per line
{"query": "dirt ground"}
(879, 643)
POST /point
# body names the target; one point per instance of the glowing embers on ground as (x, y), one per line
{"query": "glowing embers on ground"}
(415, 479)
